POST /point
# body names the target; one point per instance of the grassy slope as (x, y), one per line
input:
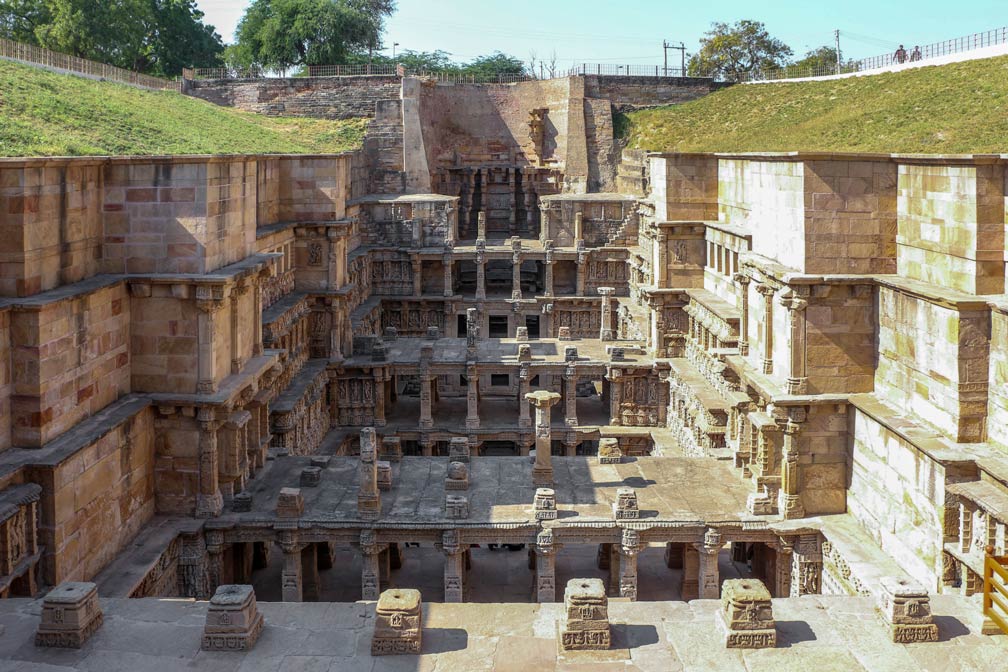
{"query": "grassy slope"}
(958, 108)
(46, 114)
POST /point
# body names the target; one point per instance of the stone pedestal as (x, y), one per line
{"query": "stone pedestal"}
(70, 615)
(456, 507)
(290, 503)
(457, 476)
(746, 615)
(311, 477)
(384, 476)
(606, 331)
(233, 621)
(542, 472)
(609, 451)
(587, 616)
(391, 449)
(368, 497)
(906, 608)
(458, 450)
(397, 623)
(544, 504)
(625, 506)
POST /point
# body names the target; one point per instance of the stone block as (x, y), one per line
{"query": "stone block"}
(233, 621)
(433, 333)
(384, 475)
(524, 352)
(70, 615)
(586, 623)
(290, 503)
(906, 608)
(563, 334)
(456, 506)
(746, 615)
(379, 353)
(397, 623)
(625, 506)
(457, 477)
(242, 502)
(521, 334)
(570, 353)
(458, 450)
(617, 354)
(609, 451)
(311, 477)
(391, 449)
(320, 461)
(544, 504)
(390, 334)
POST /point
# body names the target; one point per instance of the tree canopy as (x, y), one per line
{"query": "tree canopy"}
(823, 59)
(734, 50)
(158, 37)
(282, 34)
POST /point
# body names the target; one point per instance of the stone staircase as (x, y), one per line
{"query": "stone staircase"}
(383, 146)
(633, 173)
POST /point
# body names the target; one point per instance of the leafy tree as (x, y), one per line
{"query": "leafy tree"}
(497, 63)
(280, 34)
(823, 59)
(731, 51)
(154, 36)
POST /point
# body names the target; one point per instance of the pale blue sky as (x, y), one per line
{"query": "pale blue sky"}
(631, 31)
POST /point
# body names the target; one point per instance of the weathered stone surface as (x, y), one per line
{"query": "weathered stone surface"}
(233, 621)
(397, 627)
(70, 616)
(586, 626)
(746, 615)
(906, 607)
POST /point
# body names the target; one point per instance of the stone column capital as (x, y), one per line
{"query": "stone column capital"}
(542, 398)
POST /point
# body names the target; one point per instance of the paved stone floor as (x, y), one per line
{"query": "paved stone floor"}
(496, 576)
(820, 634)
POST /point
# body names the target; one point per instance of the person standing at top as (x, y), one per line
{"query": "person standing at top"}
(901, 55)
(915, 55)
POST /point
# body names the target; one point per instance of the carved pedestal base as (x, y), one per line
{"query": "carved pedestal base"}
(746, 615)
(70, 615)
(397, 623)
(586, 607)
(233, 621)
(906, 608)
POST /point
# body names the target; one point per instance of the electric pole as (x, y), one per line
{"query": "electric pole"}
(682, 48)
(836, 33)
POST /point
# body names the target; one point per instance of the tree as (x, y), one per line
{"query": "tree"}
(732, 51)
(822, 60)
(280, 34)
(494, 64)
(155, 36)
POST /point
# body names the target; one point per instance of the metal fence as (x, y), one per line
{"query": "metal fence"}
(52, 60)
(629, 70)
(356, 70)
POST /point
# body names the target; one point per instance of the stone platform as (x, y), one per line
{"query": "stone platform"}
(824, 634)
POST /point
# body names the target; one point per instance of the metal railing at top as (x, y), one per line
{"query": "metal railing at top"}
(629, 70)
(356, 70)
(53, 60)
(995, 589)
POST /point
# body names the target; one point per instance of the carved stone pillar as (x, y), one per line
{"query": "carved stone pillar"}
(215, 559)
(582, 258)
(417, 274)
(578, 228)
(309, 573)
(426, 417)
(547, 320)
(481, 226)
(480, 273)
(472, 397)
(516, 261)
(257, 339)
(629, 548)
(290, 576)
(742, 282)
(209, 301)
(548, 269)
(209, 501)
(370, 570)
(615, 395)
(380, 377)
(806, 566)
(542, 472)
(797, 382)
(446, 263)
(454, 569)
(782, 582)
(768, 328)
(789, 504)
(690, 587)
(659, 270)
(606, 331)
(524, 376)
(472, 333)
(708, 577)
(545, 567)
(236, 331)
(570, 396)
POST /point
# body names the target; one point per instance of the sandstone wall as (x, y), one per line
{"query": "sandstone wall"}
(321, 97)
(951, 225)
(627, 93)
(312, 188)
(176, 467)
(840, 339)
(823, 458)
(933, 361)
(997, 409)
(70, 358)
(6, 380)
(179, 217)
(101, 497)
(897, 493)
(684, 187)
(50, 224)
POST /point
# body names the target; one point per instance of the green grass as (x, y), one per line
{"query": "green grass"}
(957, 108)
(46, 114)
